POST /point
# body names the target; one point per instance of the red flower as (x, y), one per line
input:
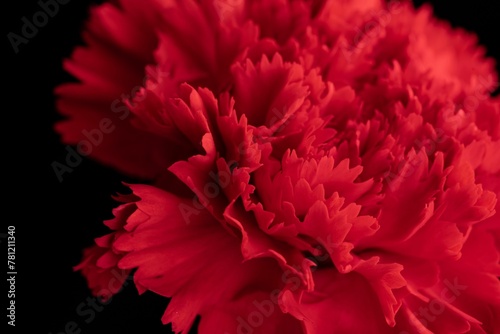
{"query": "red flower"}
(316, 166)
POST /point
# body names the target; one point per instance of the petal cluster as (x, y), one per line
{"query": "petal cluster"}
(307, 166)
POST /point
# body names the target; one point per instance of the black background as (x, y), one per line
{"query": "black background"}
(55, 221)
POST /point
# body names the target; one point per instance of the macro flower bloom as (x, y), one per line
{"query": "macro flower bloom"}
(306, 166)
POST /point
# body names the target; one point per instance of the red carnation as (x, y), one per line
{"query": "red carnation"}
(313, 166)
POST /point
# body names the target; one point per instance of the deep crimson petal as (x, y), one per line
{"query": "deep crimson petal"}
(99, 265)
(281, 83)
(220, 37)
(342, 301)
(118, 36)
(104, 279)
(256, 312)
